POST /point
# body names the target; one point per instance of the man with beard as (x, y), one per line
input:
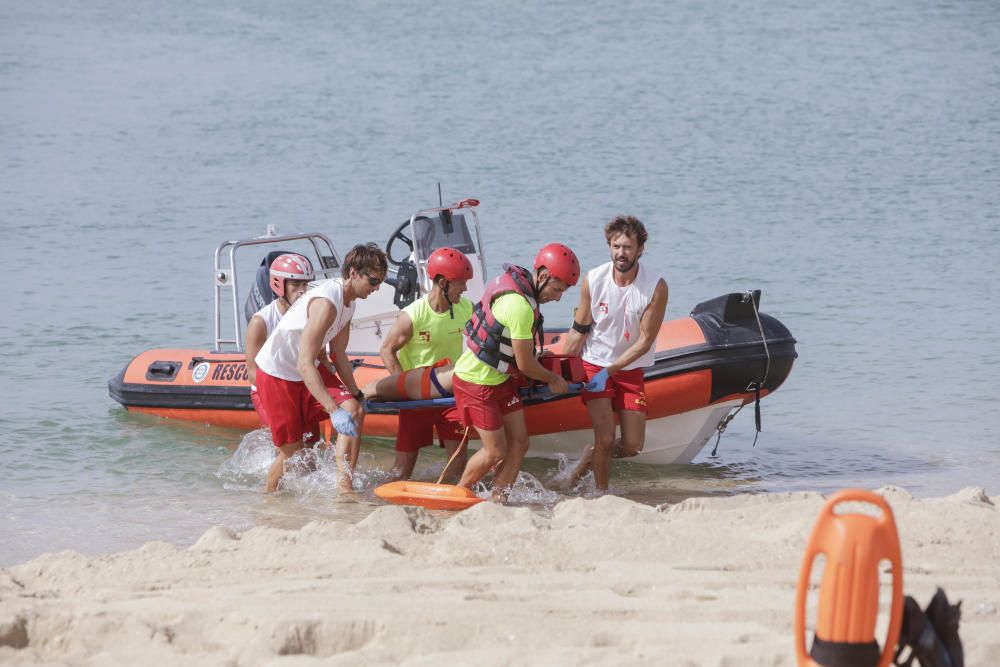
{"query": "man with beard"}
(622, 304)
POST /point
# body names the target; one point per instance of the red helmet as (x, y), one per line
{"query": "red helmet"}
(560, 261)
(450, 263)
(289, 267)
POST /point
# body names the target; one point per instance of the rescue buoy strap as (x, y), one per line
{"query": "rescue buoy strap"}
(401, 383)
(425, 383)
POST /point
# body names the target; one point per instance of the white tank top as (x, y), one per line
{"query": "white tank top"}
(279, 356)
(617, 312)
(271, 315)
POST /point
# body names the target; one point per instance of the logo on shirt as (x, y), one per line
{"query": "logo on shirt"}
(627, 336)
(425, 336)
(603, 307)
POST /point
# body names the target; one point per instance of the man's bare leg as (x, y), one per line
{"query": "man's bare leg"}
(403, 467)
(517, 447)
(346, 451)
(633, 427)
(602, 417)
(565, 481)
(277, 469)
(494, 449)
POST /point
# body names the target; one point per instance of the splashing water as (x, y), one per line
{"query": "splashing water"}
(528, 489)
(249, 463)
(311, 472)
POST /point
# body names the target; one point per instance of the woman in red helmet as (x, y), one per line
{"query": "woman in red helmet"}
(428, 333)
(289, 279)
(501, 344)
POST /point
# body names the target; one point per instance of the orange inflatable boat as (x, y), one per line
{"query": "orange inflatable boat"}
(722, 356)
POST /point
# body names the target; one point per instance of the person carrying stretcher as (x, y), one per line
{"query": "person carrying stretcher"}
(426, 338)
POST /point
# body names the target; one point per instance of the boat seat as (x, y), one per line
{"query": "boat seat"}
(260, 292)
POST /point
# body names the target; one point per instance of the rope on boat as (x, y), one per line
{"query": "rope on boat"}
(755, 386)
(458, 450)
(758, 385)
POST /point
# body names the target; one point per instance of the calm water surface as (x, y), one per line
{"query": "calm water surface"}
(843, 158)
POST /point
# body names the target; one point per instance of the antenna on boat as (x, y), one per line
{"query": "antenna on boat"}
(440, 201)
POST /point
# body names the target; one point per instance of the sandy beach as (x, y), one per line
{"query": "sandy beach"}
(599, 582)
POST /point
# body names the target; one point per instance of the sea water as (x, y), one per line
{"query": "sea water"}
(842, 157)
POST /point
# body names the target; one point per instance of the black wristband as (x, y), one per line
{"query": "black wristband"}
(359, 396)
(582, 328)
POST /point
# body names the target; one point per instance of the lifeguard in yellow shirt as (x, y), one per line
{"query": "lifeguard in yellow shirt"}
(501, 340)
(428, 333)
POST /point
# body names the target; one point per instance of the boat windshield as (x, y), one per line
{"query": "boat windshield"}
(442, 229)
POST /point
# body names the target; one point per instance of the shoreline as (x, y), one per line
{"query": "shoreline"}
(706, 581)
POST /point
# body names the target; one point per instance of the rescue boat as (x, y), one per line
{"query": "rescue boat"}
(726, 354)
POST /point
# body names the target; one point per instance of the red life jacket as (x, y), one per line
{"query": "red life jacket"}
(487, 338)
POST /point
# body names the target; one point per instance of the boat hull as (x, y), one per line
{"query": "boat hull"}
(706, 367)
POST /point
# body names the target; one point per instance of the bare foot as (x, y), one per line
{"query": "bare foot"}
(347, 496)
(563, 481)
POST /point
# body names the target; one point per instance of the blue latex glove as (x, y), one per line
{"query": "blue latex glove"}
(598, 381)
(343, 422)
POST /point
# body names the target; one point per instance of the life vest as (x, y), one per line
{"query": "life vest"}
(487, 339)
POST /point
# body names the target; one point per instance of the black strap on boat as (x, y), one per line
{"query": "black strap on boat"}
(757, 385)
(721, 428)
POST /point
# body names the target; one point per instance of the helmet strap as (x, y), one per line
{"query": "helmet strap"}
(451, 306)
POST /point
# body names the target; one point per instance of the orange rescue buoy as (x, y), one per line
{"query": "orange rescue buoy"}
(854, 544)
(429, 495)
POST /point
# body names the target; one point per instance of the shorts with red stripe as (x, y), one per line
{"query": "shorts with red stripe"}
(291, 409)
(416, 428)
(626, 389)
(484, 406)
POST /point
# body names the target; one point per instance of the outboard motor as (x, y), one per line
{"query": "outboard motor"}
(406, 283)
(260, 293)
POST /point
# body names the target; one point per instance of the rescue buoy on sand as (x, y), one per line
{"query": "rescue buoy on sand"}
(429, 495)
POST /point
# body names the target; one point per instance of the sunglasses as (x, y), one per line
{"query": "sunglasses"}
(372, 280)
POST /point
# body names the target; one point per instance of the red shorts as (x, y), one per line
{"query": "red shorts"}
(416, 428)
(626, 389)
(312, 431)
(291, 410)
(257, 405)
(483, 406)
